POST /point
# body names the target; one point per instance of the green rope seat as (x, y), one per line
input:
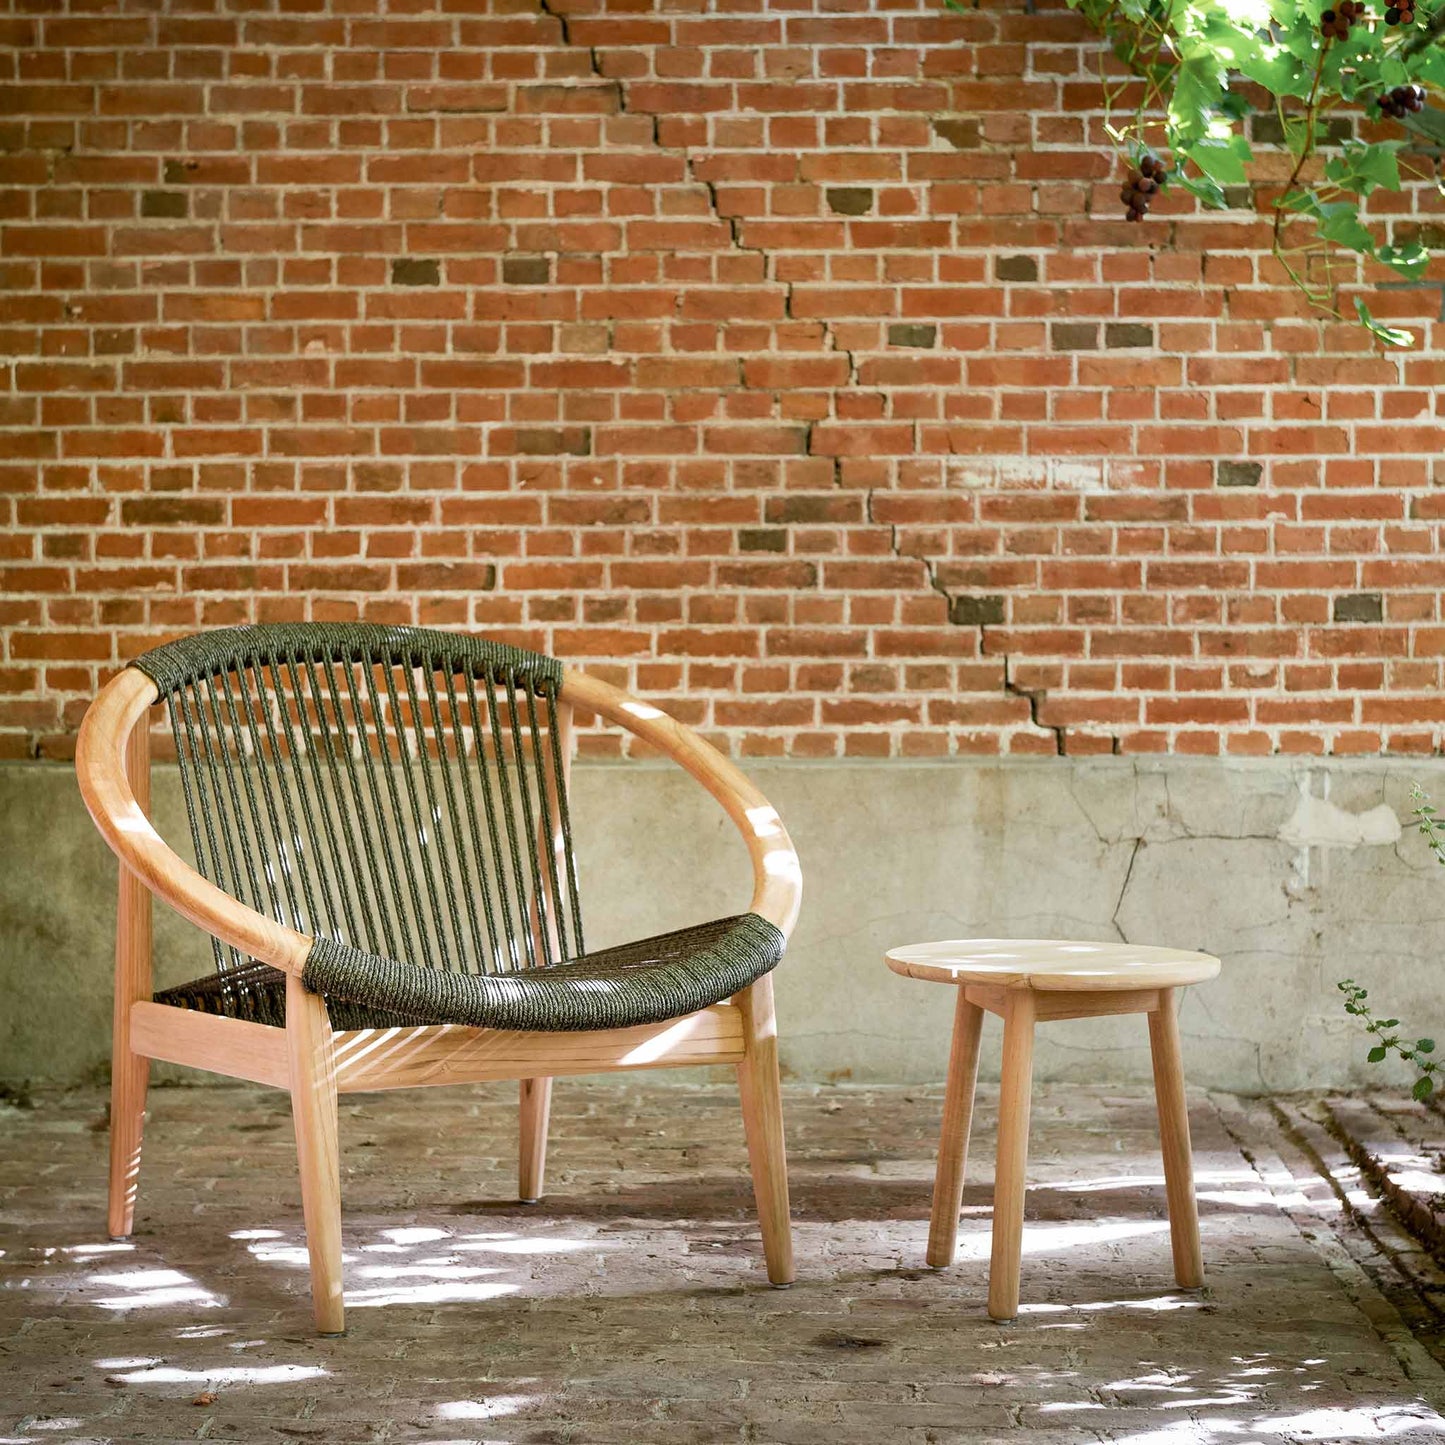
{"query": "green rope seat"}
(645, 982)
(400, 795)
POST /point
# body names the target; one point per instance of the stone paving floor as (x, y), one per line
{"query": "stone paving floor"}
(630, 1306)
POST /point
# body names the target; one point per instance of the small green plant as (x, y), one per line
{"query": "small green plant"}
(1387, 1041)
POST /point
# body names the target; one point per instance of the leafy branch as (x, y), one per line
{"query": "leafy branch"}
(1388, 1042)
(1193, 71)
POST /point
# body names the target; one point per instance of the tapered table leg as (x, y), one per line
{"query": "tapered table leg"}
(1174, 1140)
(1015, 1097)
(953, 1143)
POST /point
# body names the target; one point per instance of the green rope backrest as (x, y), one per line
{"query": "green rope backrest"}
(396, 789)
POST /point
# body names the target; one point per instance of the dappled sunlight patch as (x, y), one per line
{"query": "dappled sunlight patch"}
(229, 1375)
(281, 1251)
(416, 1234)
(1342, 1423)
(1042, 1239)
(515, 1244)
(438, 1291)
(1160, 1304)
(493, 1408)
(415, 1264)
(154, 1288)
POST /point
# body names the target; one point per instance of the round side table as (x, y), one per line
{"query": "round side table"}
(1028, 981)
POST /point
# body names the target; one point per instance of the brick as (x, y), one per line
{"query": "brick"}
(415, 271)
(1126, 333)
(1016, 268)
(1237, 474)
(1074, 336)
(975, 611)
(912, 333)
(166, 204)
(1359, 607)
(526, 270)
(963, 133)
(849, 200)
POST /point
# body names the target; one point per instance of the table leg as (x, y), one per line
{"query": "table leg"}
(953, 1143)
(1013, 1148)
(1174, 1141)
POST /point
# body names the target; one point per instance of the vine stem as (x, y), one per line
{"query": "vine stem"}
(1307, 149)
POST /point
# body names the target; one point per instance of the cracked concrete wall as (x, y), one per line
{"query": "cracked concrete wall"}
(1295, 872)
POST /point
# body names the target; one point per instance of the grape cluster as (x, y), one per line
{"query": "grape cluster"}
(1335, 24)
(1142, 186)
(1401, 101)
(1402, 14)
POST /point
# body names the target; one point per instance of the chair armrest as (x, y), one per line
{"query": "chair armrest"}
(777, 876)
(100, 769)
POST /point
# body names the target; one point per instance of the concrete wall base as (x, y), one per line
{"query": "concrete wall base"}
(1297, 872)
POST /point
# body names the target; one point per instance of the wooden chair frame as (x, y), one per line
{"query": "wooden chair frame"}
(315, 1062)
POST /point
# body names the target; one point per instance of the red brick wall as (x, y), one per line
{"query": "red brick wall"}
(793, 359)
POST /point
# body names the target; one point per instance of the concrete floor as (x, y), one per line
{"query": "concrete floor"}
(630, 1306)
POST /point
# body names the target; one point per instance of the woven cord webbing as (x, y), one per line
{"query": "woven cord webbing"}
(329, 786)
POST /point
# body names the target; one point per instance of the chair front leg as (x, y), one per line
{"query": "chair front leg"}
(536, 1111)
(129, 1071)
(314, 1114)
(762, 1102)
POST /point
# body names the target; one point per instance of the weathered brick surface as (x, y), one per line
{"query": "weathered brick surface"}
(792, 355)
(630, 1305)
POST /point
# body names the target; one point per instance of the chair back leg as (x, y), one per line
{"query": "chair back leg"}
(129, 1071)
(314, 1114)
(536, 1111)
(763, 1120)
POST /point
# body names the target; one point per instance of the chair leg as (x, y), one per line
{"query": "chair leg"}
(953, 1141)
(129, 1071)
(1174, 1140)
(314, 1114)
(1015, 1097)
(762, 1102)
(129, 1080)
(536, 1111)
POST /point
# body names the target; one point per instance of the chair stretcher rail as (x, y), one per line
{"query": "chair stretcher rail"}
(375, 1059)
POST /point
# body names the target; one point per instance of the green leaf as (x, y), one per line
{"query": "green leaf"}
(1339, 221)
(1222, 159)
(1364, 168)
(1279, 72)
(1409, 261)
(1386, 335)
(1205, 189)
(1197, 89)
(1377, 1053)
(1425, 1046)
(1424, 1087)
